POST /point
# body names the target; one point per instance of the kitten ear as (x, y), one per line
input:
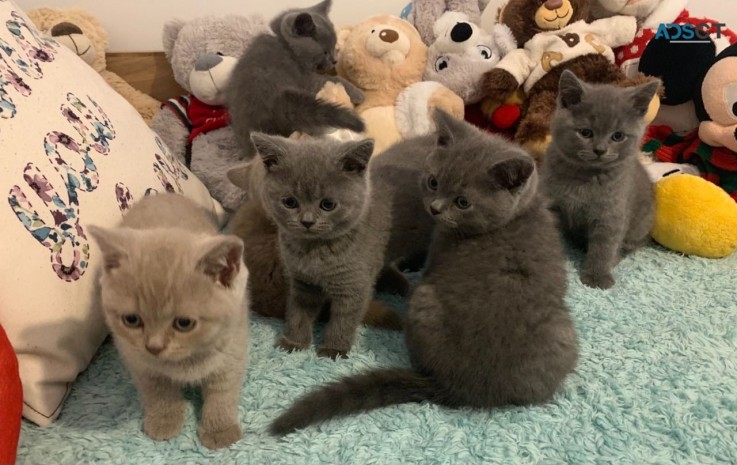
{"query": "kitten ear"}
(221, 258)
(270, 148)
(304, 25)
(449, 128)
(112, 245)
(642, 96)
(570, 89)
(323, 7)
(512, 173)
(239, 175)
(356, 155)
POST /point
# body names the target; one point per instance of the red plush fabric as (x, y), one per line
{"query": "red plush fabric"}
(205, 118)
(11, 401)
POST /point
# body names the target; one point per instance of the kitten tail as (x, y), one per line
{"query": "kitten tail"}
(379, 315)
(304, 113)
(354, 394)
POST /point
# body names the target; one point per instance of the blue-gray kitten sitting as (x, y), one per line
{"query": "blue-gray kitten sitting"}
(332, 235)
(592, 173)
(487, 325)
(273, 86)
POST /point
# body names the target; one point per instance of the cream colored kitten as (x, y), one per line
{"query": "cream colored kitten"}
(174, 298)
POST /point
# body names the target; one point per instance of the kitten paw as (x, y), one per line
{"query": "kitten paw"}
(597, 280)
(289, 346)
(162, 428)
(332, 353)
(220, 439)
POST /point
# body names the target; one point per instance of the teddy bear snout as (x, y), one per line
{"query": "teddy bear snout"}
(207, 61)
(388, 44)
(461, 32)
(65, 29)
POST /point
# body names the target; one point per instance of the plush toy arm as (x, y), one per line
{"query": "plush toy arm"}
(353, 92)
(616, 31)
(499, 85)
(146, 105)
(172, 131)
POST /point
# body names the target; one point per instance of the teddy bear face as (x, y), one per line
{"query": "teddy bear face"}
(463, 52)
(381, 53)
(526, 18)
(77, 30)
(719, 99)
(203, 52)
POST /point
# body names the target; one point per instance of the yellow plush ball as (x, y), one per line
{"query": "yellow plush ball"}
(695, 217)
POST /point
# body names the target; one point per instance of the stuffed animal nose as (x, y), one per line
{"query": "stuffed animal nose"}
(207, 61)
(735, 134)
(461, 32)
(389, 35)
(65, 29)
(553, 4)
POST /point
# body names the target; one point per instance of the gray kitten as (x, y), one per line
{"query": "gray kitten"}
(602, 193)
(174, 298)
(331, 234)
(274, 84)
(488, 325)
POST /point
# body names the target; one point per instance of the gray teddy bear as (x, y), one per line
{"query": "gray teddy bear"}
(196, 127)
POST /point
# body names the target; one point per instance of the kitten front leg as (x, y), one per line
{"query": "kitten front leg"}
(602, 255)
(305, 304)
(219, 426)
(163, 407)
(353, 92)
(346, 312)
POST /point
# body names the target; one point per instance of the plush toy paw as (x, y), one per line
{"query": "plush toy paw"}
(538, 147)
(694, 217)
(499, 84)
(506, 116)
(334, 92)
(220, 439)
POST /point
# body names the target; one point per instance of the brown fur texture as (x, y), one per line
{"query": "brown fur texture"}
(267, 282)
(520, 17)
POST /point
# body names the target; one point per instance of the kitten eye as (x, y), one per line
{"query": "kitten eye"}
(184, 324)
(432, 183)
(586, 133)
(485, 52)
(441, 63)
(132, 320)
(618, 136)
(327, 205)
(290, 202)
(462, 202)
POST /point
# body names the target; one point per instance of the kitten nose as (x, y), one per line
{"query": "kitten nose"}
(154, 349)
(389, 35)
(461, 32)
(599, 152)
(433, 211)
(307, 223)
(553, 4)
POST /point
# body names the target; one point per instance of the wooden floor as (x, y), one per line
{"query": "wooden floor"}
(148, 72)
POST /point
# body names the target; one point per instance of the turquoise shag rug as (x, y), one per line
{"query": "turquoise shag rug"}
(656, 383)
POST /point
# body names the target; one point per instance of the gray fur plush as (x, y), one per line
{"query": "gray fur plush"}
(425, 12)
(332, 234)
(275, 82)
(488, 325)
(592, 173)
(187, 45)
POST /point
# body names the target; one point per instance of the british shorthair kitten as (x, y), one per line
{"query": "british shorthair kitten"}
(487, 325)
(274, 85)
(174, 297)
(592, 173)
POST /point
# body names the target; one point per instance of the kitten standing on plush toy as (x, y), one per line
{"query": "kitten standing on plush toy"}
(593, 175)
(174, 298)
(488, 325)
(273, 87)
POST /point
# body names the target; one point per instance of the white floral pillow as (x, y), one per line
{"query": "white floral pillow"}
(72, 153)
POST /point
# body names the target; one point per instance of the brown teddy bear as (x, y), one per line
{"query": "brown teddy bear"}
(556, 37)
(83, 34)
(383, 56)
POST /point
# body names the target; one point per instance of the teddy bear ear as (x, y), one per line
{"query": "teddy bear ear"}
(343, 34)
(171, 31)
(504, 38)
